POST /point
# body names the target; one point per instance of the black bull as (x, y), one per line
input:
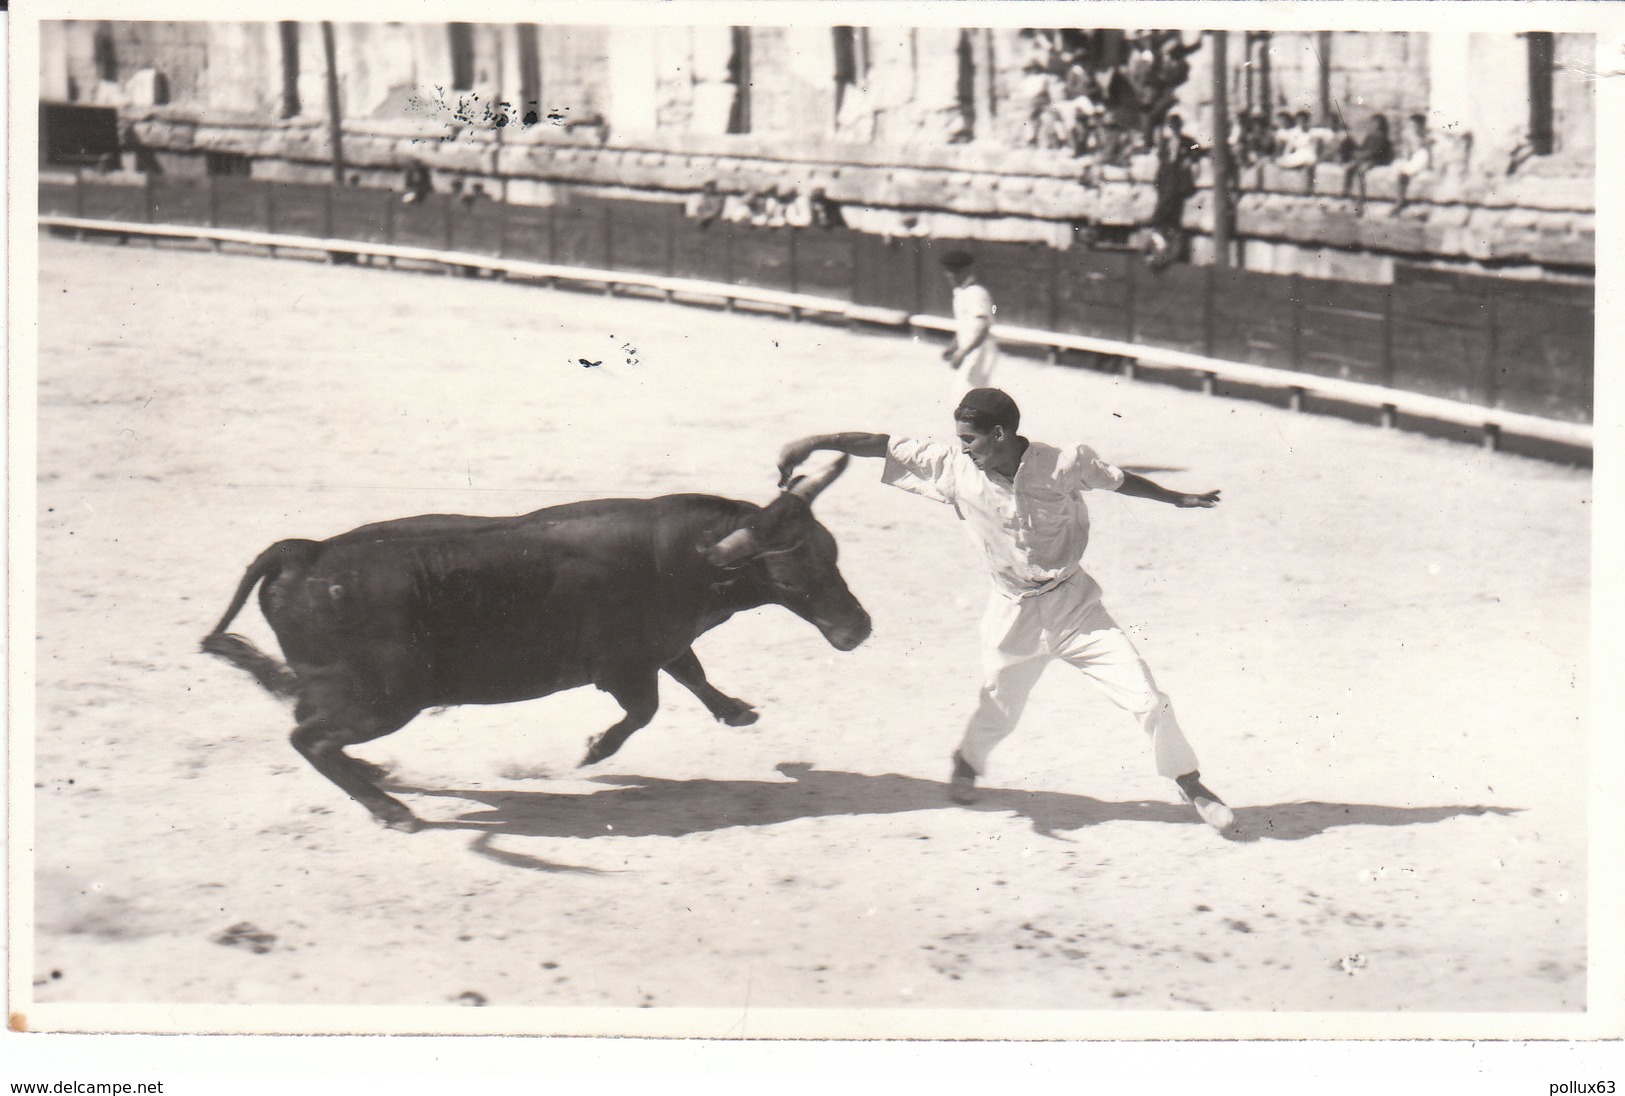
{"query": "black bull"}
(382, 622)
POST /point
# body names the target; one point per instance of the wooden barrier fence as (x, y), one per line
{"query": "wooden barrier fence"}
(1494, 354)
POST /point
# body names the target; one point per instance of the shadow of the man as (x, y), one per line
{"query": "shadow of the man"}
(644, 806)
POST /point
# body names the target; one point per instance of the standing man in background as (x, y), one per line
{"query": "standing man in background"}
(1022, 503)
(1177, 154)
(973, 354)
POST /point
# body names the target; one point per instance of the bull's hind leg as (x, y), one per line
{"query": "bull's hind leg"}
(686, 670)
(331, 718)
(640, 697)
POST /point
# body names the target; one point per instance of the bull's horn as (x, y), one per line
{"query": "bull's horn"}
(807, 488)
(737, 545)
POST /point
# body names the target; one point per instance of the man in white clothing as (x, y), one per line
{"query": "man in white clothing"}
(973, 354)
(1022, 503)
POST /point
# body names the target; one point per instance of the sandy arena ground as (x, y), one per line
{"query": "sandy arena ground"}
(1378, 645)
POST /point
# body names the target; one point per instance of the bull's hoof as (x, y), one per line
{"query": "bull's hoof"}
(377, 774)
(744, 717)
(404, 823)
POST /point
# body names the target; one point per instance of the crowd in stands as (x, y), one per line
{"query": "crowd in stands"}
(766, 207)
(1101, 94)
(1294, 141)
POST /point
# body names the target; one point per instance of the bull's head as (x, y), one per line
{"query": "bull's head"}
(794, 556)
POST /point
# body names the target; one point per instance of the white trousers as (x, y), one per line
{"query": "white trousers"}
(975, 371)
(1069, 623)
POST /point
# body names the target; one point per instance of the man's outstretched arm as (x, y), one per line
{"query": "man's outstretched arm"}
(1137, 486)
(854, 443)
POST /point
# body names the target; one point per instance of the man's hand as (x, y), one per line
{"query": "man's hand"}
(856, 443)
(1137, 486)
(791, 456)
(948, 353)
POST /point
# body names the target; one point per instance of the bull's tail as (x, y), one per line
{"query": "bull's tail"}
(273, 676)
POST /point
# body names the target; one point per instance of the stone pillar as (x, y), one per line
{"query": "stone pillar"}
(382, 72)
(54, 85)
(811, 72)
(1498, 110)
(939, 118)
(506, 47)
(312, 74)
(252, 82)
(1574, 94)
(890, 88)
(1450, 98)
(575, 68)
(633, 107)
(713, 93)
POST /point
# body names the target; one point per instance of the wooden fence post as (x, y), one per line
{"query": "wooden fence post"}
(1128, 301)
(1210, 273)
(1295, 299)
(1388, 336)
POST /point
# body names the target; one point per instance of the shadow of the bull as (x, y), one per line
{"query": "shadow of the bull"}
(642, 806)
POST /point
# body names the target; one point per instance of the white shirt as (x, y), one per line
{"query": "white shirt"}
(973, 311)
(1033, 528)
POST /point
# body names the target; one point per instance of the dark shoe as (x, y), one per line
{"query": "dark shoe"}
(962, 785)
(1208, 805)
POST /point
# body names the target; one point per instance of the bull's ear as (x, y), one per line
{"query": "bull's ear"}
(736, 546)
(807, 488)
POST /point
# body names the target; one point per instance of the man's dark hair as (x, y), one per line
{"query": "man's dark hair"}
(985, 408)
(980, 421)
(957, 261)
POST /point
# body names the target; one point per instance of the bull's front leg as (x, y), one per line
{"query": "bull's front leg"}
(640, 696)
(686, 670)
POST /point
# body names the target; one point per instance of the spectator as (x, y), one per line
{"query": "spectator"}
(1116, 98)
(1240, 138)
(1035, 93)
(1075, 108)
(826, 212)
(1298, 144)
(1326, 137)
(1300, 149)
(1169, 71)
(705, 206)
(771, 212)
(1116, 143)
(798, 210)
(1376, 149)
(737, 208)
(1263, 137)
(1177, 154)
(145, 159)
(1278, 134)
(1339, 149)
(1251, 140)
(1140, 72)
(418, 183)
(1416, 156)
(973, 354)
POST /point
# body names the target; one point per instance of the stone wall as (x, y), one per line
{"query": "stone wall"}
(644, 112)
